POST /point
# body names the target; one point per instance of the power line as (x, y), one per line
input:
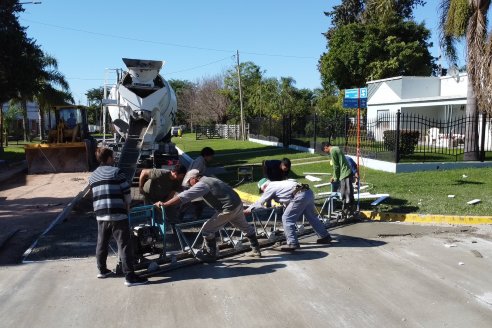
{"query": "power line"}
(183, 70)
(114, 36)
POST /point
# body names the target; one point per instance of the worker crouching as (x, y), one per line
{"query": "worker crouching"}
(298, 200)
(221, 197)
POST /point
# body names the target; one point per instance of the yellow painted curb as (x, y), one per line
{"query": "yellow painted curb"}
(246, 197)
(427, 218)
(394, 217)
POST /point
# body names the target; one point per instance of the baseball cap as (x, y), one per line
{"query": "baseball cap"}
(262, 182)
(190, 174)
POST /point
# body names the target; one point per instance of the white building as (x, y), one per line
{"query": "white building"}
(440, 101)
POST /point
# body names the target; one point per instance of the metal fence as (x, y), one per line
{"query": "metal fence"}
(220, 131)
(396, 138)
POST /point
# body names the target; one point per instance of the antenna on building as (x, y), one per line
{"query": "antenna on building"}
(455, 72)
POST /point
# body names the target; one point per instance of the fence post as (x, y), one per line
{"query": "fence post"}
(345, 121)
(482, 138)
(397, 141)
(314, 137)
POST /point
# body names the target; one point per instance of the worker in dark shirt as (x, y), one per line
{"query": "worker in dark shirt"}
(276, 170)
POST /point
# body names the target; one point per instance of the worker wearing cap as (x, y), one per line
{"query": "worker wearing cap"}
(298, 200)
(221, 197)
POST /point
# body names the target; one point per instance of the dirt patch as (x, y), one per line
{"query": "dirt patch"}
(29, 204)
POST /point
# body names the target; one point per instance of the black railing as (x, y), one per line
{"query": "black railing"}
(399, 137)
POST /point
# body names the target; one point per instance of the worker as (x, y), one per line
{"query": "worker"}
(161, 185)
(71, 121)
(342, 173)
(229, 209)
(111, 201)
(200, 163)
(353, 168)
(276, 170)
(298, 200)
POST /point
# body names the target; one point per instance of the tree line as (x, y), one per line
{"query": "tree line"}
(365, 40)
(27, 73)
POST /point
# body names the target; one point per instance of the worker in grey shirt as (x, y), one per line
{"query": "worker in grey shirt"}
(221, 197)
(298, 200)
(200, 163)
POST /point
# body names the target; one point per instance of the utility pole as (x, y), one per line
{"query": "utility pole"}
(240, 97)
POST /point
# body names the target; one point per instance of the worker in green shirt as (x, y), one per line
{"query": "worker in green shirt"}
(342, 173)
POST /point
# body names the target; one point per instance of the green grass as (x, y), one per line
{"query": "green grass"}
(420, 192)
(14, 152)
(231, 153)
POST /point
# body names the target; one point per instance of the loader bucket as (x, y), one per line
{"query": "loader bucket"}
(57, 157)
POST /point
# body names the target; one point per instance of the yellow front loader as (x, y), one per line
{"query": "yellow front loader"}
(69, 147)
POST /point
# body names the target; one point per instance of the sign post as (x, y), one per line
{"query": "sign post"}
(356, 98)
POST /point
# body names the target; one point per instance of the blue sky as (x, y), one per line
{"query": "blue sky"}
(196, 38)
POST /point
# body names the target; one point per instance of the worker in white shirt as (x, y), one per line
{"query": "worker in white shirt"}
(298, 200)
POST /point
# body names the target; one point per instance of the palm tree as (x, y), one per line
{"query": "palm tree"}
(468, 19)
(45, 79)
(47, 98)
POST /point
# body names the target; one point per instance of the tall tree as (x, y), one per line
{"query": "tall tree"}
(468, 19)
(251, 76)
(95, 97)
(364, 44)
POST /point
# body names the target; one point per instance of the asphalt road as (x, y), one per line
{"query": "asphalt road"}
(375, 275)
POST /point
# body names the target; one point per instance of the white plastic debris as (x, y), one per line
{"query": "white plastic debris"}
(461, 263)
(316, 173)
(450, 245)
(451, 196)
(465, 176)
(474, 201)
(312, 178)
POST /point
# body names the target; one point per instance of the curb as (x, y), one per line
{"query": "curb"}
(398, 217)
(426, 218)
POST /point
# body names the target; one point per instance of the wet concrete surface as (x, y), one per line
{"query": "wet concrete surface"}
(373, 275)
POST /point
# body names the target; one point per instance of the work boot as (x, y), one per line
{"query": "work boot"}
(255, 246)
(325, 240)
(209, 253)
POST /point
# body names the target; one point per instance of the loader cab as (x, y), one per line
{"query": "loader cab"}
(68, 125)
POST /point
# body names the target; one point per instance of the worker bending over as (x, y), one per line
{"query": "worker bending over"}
(342, 172)
(298, 200)
(160, 184)
(276, 170)
(200, 163)
(221, 197)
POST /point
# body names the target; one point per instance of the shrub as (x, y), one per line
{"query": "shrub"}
(408, 141)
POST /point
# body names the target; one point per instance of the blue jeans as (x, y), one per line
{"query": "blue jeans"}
(302, 203)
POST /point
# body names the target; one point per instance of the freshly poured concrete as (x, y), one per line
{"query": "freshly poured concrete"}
(410, 276)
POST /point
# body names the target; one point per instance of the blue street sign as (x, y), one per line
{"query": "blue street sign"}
(351, 93)
(363, 93)
(354, 103)
(354, 93)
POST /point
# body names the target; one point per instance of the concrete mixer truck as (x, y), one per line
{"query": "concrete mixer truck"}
(142, 107)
